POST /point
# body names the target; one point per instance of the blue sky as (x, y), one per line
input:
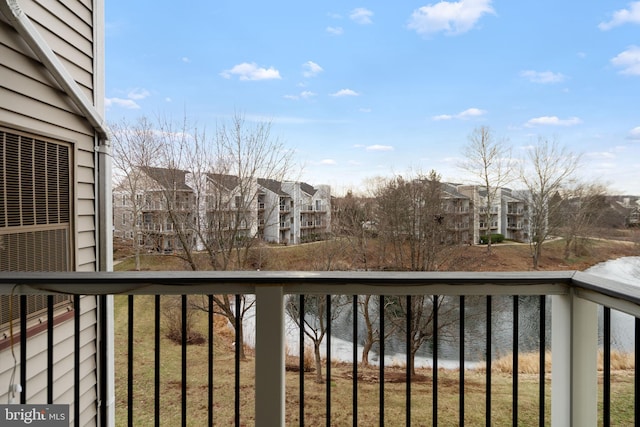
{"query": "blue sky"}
(373, 88)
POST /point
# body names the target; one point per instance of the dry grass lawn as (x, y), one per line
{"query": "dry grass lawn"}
(503, 258)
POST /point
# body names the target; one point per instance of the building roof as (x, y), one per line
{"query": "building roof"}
(227, 181)
(272, 185)
(450, 190)
(168, 178)
(307, 188)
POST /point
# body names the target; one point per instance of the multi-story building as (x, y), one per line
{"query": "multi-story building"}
(310, 211)
(219, 206)
(457, 209)
(507, 214)
(514, 217)
(152, 208)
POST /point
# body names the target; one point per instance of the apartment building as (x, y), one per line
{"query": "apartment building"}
(218, 206)
(151, 204)
(457, 209)
(507, 213)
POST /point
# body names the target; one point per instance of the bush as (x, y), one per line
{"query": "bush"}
(495, 238)
(172, 313)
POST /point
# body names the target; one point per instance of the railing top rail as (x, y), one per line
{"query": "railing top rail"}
(353, 282)
(614, 294)
(611, 293)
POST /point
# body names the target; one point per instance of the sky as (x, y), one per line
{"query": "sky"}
(362, 89)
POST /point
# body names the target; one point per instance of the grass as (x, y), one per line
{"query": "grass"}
(505, 257)
(341, 384)
(316, 256)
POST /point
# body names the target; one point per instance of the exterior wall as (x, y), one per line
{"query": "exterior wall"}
(310, 221)
(33, 103)
(270, 216)
(508, 214)
(289, 216)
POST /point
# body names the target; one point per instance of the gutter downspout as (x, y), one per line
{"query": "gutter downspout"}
(102, 148)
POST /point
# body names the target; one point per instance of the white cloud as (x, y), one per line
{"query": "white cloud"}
(634, 134)
(138, 94)
(129, 104)
(185, 59)
(378, 147)
(336, 31)
(623, 16)
(442, 117)
(328, 162)
(304, 95)
(361, 15)
(553, 121)
(365, 110)
(629, 61)
(251, 71)
(345, 92)
(463, 115)
(450, 17)
(311, 69)
(542, 76)
(168, 99)
(471, 112)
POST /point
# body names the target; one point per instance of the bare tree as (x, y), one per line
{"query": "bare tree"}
(206, 191)
(369, 307)
(416, 315)
(547, 169)
(352, 220)
(314, 317)
(581, 210)
(135, 147)
(410, 220)
(488, 159)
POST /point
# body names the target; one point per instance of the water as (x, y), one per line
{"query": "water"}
(623, 269)
(626, 270)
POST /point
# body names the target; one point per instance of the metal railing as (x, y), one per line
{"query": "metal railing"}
(574, 298)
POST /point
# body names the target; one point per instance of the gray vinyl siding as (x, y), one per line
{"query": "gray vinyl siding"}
(31, 102)
(63, 355)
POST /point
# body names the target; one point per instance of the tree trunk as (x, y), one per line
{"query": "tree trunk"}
(316, 351)
(365, 352)
(412, 362)
(136, 246)
(536, 255)
(369, 339)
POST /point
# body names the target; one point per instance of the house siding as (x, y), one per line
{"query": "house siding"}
(33, 103)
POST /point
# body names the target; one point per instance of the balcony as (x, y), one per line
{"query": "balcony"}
(567, 396)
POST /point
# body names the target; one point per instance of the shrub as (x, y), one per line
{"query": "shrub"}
(495, 238)
(172, 313)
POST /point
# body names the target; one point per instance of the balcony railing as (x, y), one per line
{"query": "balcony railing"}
(574, 298)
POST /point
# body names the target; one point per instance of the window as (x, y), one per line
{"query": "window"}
(35, 214)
